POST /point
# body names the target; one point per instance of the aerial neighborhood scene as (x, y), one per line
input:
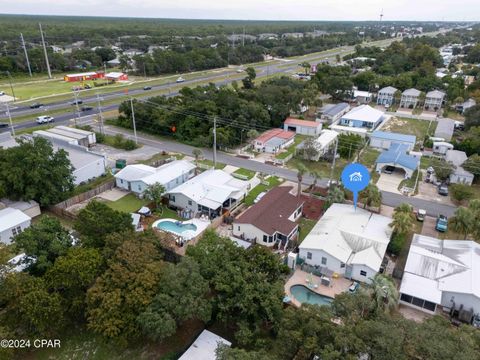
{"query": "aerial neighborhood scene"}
(250, 181)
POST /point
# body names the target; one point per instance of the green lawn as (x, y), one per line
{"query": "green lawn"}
(273, 181)
(306, 225)
(369, 157)
(129, 203)
(167, 214)
(219, 166)
(93, 184)
(291, 149)
(244, 172)
(32, 129)
(322, 167)
(419, 128)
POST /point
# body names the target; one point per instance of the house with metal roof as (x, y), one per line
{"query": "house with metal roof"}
(302, 127)
(362, 97)
(459, 175)
(332, 113)
(322, 144)
(383, 140)
(273, 140)
(138, 177)
(445, 128)
(273, 220)
(398, 156)
(209, 193)
(462, 107)
(386, 96)
(12, 223)
(204, 347)
(442, 274)
(434, 100)
(410, 98)
(348, 242)
(363, 116)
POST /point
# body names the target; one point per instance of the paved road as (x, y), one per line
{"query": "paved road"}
(388, 198)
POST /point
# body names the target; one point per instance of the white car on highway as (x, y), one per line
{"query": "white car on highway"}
(180, 80)
(45, 119)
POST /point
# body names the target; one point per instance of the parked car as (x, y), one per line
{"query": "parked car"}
(86, 108)
(180, 80)
(4, 125)
(240, 70)
(2, 93)
(147, 88)
(421, 214)
(259, 197)
(354, 287)
(36, 105)
(45, 119)
(442, 223)
(460, 126)
(443, 189)
(389, 169)
(77, 102)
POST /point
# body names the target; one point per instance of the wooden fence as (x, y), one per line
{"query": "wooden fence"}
(86, 195)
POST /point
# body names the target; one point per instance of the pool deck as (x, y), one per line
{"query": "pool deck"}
(299, 277)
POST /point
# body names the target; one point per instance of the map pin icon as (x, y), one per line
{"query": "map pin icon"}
(355, 177)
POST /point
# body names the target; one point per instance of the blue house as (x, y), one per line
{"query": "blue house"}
(383, 140)
(397, 156)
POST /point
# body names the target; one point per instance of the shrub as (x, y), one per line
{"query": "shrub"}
(397, 243)
(129, 145)
(460, 192)
(100, 138)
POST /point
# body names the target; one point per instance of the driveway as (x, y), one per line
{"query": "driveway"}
(390, 182)
(428, 228)
(427, 191)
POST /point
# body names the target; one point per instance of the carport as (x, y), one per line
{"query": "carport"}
(397, 157)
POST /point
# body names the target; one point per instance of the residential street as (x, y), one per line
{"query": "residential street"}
(390, 199)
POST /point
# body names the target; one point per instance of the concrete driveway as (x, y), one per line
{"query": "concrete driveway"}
(428, 228)
(390, 182)
(429, 192)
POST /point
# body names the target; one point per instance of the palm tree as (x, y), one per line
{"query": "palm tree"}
(316, 175)
(371, 196)
(384, 293)
(197, 153)
(403, 208)
(463, 221)
(335, 195)
(403, 219)
(301, 170)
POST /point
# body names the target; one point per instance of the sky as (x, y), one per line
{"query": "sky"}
(448, 10)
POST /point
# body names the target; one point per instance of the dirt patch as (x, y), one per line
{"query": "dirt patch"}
(394, 123)
(313, 207)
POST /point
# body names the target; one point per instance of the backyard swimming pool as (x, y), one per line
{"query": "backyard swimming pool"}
(305, 295)
(186, 230)
(176, 227)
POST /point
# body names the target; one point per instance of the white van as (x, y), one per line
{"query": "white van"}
(45, 119)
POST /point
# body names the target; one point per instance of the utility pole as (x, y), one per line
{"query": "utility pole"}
(45, 52)
(77, 107)
(133, 119)
(100, 114)
(10, 119)
(333, 163)
(11, 85)
(243, 38)
(26, 54)
(214, 142)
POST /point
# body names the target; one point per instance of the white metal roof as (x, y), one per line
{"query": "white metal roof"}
(212, 188)
(326, 138)
(204, 347)
(82, 74)
(364, 113)
(135, 172)
(10, 218)
(114, 74)
(352, 236)
(150, 175)
(434, 266)
(359, 93)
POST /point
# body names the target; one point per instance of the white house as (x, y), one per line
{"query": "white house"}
(441, 147)
(441, 273)
(434, 100)
(272, 220)
(302, 127)
(363, 116)
(386, 96)
(459, 175)
(410, 98)
(362, 97)
(138, 177)
(12, 223)
(204, 347)
(323, 144)
(210, 193)
(382, 140)
(348, 242)
(273, 140)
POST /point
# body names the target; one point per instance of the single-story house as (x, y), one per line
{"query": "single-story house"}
(323, 144)
(272, 220)
(386, 96)
(333, 113)
(459, 175)
(12, 223)
(434, 100)
(138, 177)
(363, 116)
(302, 127)
(410, 98)
(273, 140)
(348, 242)
(362, 97)
(204, 347)
(398, 156)
(441, 147)
(116, 76)
(92, 75)
(30, 208)
(441, 274)
(445, 128)
(462, 107)
(382, 140)
(209, 193)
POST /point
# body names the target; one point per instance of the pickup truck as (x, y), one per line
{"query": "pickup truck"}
(45, 119)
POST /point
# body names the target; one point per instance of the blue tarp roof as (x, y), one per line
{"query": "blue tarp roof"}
(394, 136)
(397, 155)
